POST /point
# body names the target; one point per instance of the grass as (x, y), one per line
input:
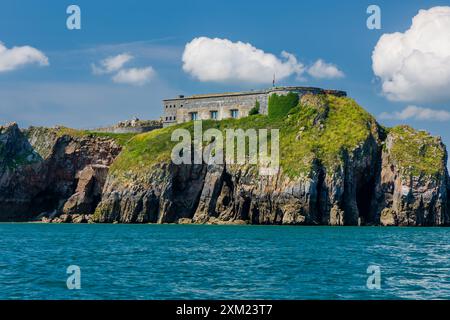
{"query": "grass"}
(318, 129)
(417, 152)
(303, 137)
(309, 135)
(120, 138)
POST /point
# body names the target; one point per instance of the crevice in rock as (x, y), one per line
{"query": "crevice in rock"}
(245, 210)
(364, 194)
(319, 206)
(254, 217)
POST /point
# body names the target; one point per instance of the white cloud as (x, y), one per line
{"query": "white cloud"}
(111, 64)
(11, 59)
(115, 64)
(135, 76)
(221, 60)
(323, 70)
(417, 113)
(415, 65)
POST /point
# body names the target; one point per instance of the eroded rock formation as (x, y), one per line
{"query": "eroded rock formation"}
(41, 168)
(382, 177)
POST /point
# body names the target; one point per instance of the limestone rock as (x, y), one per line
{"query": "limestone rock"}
(40, 167)
(388, 217)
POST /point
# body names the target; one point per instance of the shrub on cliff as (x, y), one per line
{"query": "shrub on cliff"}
(280, 105)
(416, 152)
(255, 110)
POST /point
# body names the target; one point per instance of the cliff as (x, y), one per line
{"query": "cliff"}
(338, 167)
(40, 169)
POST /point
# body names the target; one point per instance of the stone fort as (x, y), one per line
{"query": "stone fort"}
(228, 105)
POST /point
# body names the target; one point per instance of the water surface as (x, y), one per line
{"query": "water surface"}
(222, 262)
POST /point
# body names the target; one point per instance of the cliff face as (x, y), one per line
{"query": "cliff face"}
(370, 177)
(412, 189)
(40, 169)
(237, 194)
(338, 167)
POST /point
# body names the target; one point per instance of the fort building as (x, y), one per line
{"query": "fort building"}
(228, 105)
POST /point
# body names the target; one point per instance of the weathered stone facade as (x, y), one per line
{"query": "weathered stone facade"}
(132, 126)
(227, 105)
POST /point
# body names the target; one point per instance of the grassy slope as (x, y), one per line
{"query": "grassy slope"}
(303, 138)
(121, 138)
(417, 152)
(346, 126)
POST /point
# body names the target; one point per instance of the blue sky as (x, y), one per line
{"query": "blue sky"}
(155, 33)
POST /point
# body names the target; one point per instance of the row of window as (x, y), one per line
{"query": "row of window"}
(173, 106)
(213, 114)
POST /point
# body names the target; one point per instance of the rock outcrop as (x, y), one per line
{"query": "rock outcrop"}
(408, 196)
(40, 169)
(338, 167)
(365, 185)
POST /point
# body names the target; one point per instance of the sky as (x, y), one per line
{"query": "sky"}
(129, 55)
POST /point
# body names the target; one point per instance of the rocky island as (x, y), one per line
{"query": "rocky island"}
(338, 167)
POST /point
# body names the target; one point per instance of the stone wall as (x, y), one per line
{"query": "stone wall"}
(180, 109)
(132, 126)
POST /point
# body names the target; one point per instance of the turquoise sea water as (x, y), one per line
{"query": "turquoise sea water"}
(222, 262)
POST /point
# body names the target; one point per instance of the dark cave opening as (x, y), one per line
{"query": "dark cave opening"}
(364, 194)
(321, 197)
(245, 210)
(45, 201)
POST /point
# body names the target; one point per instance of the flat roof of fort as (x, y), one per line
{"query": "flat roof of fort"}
(263, 91)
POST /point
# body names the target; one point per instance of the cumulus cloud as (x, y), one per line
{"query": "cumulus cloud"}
(417, 113)
(115, 65)
(415, 65)
(134, 76)
(221, 60)
(11, 59)
(111, 64)
(323, 70)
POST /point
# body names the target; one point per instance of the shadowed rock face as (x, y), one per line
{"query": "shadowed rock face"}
(89, 190)
(41, 170)
(367, 190)
(408, 199)
(397, 177)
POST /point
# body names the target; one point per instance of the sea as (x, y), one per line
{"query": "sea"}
(118, 261)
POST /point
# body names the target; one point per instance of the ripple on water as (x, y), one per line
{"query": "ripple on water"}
(222, 262)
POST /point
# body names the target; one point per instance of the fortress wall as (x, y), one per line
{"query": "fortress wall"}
(223, 105)
(114, 129)
(179, 110)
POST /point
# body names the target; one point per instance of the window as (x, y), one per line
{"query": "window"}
(234, 113)
(214, 115)
(167, 118)
(181, 106)
(170, 118)
(194, 115)
(174, 117)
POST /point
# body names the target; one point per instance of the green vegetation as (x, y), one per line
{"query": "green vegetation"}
(255, 110)
(120, 138)
(15, 158)
(280, 105)
(323, 131)
(417, 152)
(319, 130)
